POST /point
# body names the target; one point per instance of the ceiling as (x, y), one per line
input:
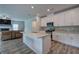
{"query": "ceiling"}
(25, 11)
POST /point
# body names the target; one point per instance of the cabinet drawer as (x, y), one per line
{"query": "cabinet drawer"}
(75, 43)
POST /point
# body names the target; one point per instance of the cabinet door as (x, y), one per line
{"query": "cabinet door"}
(43, 21)
(75, 16)
(72, 17)
(59, 19)
(68, 16)
(50, 18)
(47, 19)
(75, 41)
(67, 39)
(55, 20)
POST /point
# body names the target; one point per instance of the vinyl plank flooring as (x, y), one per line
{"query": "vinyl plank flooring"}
(60, 48)
(18, 47)
(14, 47)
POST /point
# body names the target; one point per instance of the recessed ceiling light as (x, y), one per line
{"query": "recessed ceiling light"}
(48, 9)
(32, 7)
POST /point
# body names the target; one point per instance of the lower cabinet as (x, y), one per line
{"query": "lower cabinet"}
(75, 41)
(69, 39)
(8, 35)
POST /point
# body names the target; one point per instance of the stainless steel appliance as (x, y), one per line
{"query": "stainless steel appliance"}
(50, 29)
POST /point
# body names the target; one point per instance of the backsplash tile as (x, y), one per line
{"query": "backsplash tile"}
(68, 28)
(64, 28)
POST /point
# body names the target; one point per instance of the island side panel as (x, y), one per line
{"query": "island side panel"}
(46, 44)
(34, 43)
(38, 45)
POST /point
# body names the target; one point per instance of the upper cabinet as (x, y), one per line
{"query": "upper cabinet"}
(66, 18)
(45, 20)
(58, 19)
(75, 16)
(72, 17)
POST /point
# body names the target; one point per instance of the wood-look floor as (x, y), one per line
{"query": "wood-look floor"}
(15, 46)
(18, 47)
(60, 48)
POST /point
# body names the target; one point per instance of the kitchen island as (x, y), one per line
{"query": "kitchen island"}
(39, 42)
(9, 35)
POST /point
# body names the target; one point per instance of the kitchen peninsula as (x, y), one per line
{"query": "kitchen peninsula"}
(9, 35)
(39, 42)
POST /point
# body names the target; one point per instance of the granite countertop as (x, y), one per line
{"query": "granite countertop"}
(62, 31)
(12, 30)
(70, 33)
(39, 34)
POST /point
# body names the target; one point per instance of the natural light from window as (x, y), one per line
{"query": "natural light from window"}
(15, 26)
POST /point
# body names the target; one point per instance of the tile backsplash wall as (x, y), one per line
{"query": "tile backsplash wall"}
(65, 28)
(68, 28)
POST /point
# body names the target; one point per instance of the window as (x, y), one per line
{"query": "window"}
(15, 27)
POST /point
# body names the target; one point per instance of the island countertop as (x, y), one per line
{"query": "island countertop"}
(39, 34)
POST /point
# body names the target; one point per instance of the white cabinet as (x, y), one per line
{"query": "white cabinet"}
(75, 40)
(59, 19)
(72, 17)
(67, 18)
(62, 37)
(55, 20)
(67, 38)
(75, 16)
(50, 18)
(45, 20)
